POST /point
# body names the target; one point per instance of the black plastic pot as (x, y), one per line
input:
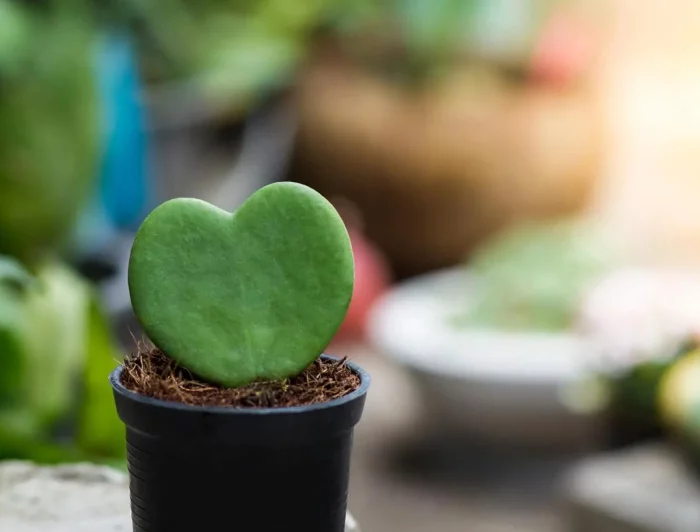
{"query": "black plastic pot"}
(200, 469)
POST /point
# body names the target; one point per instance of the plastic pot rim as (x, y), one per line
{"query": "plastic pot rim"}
(365, 379)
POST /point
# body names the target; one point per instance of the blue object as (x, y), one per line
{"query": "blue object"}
(124, 178)
(122, 195)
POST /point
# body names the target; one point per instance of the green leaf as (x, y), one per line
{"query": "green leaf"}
(533, 275)
(12, 361)
(15, 33)
(433, 28)
(236, 50)
(636, 392)
(13, 273)
(54, 342)
(23, 437)
(240, 64)
(100, 431)
(236, 297)
(46, 175)
(13, 282)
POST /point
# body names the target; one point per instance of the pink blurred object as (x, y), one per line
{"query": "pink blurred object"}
(372, 278)
(563, 52)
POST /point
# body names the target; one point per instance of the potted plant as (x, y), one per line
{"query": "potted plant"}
(235, 416)
(501, 328)
(409, 110)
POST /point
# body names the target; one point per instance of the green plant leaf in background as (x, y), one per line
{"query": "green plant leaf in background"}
(100, 431)
(532, 276)
(243, 62)
(433, 28)
(23, 438)
(61, 354)
(23, 426)
(13, 274)
(50, 333)
(349, 18)
(235, 50)
(15, 34)
(162, 28)
(54, 340)
(248, 50)
(635, 393)
(49, 131)
(13, 283)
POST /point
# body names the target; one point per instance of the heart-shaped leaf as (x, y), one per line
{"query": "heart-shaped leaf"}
(257, 294)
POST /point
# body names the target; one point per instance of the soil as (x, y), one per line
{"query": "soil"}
(151, 373)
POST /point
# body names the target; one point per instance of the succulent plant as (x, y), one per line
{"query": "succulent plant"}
(257, 294)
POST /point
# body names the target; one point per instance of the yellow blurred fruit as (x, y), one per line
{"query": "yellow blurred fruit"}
(679, 394)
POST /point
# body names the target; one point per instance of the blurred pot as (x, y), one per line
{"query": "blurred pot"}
(435, 171)
(490, 386)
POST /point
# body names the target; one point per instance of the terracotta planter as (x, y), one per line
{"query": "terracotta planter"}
(435, 171)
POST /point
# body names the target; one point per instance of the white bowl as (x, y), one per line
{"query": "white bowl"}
(492, 385)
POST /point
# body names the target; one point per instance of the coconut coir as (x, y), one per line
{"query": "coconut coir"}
(151, 373)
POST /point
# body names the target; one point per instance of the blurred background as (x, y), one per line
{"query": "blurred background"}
(520, 179)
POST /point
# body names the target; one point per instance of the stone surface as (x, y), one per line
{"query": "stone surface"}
(646, 489)
(77, 498)
(68, 498)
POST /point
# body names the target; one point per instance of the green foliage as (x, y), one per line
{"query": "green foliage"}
(642, 392)
(678, 398)
(427, 38)
(15, 36)
(54, 340)
(50, 336)
(235, 50)
(636, 392)
(54, 347)
(49, 127)
(100, 431)
(433, 30)
(257, 294)
(532, 276)
(427, 33)
(12, 274)
(14, 281)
